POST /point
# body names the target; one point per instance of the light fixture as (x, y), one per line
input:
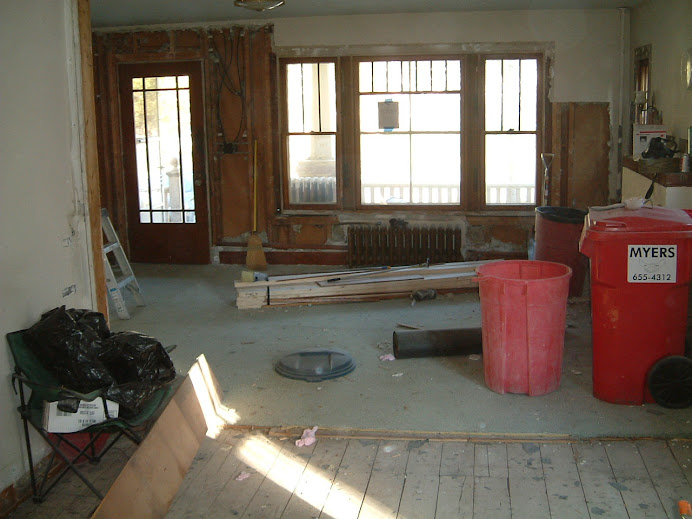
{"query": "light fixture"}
(259, 5)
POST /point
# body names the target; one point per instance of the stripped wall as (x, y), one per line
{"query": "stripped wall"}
(583, 46)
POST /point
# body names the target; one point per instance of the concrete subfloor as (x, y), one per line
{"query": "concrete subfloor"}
(194, 308)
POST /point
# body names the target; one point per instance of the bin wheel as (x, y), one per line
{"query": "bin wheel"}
(670, 382)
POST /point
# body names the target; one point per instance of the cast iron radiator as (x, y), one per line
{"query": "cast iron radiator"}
(396, 245)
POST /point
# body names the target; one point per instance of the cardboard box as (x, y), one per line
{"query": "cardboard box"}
(88, 413)
(642, 135)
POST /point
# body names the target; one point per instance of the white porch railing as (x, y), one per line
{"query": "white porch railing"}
(323, 190)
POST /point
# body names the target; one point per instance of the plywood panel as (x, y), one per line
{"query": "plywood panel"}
(148, 483)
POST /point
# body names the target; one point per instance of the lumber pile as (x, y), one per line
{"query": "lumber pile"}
(356, 285)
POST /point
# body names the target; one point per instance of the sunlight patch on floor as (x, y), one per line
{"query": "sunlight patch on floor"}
(336, 501)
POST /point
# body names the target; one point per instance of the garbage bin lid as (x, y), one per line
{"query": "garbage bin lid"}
(646, 219)
(569, 215)
(315, 365)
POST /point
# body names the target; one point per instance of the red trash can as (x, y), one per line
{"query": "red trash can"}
(523, 311)
(557, 234)
(640, 272)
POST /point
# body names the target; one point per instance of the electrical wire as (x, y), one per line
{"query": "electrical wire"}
(226, 58)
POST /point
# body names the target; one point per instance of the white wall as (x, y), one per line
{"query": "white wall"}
(586, 42)
(667, 26)
(43, 241)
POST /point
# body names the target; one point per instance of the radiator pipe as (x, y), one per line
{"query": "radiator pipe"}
(411, 344)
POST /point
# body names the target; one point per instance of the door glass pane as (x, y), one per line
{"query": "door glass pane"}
(163, 145)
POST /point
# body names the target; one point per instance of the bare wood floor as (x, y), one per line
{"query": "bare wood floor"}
(252, 475)
(255, 476)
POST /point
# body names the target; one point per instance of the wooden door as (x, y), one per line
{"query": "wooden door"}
(164, 166)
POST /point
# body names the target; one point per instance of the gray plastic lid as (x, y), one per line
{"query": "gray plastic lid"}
(315, 365)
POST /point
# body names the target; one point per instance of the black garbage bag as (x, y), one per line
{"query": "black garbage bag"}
(132, 397)
(69, 350)
(90, 320)
(135, 357)
(84, 355)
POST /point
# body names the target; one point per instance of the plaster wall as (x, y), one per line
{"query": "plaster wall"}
(586, 42)
(44, 242)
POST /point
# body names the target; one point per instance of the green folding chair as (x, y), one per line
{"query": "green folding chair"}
(30, 373)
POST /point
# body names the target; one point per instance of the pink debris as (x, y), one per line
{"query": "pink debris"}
(388, 356)
(243, 475)
(308, 437)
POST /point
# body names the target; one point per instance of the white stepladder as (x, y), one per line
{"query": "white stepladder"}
(126, 278)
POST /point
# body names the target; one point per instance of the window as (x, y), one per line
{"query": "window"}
(412, 156)
(511, 87)
(311, 139)
(457, 132)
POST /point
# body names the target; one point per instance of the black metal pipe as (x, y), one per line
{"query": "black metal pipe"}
(436, 343)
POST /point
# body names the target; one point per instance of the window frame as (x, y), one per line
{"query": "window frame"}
(357, 133)
(285, 134)
(472, 146)
(540, 130)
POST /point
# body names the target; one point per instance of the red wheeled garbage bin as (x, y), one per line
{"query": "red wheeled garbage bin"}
(640, 275)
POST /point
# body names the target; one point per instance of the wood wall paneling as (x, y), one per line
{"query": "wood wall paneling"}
(580, 136)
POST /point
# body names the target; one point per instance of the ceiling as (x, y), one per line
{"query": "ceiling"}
(119, 13)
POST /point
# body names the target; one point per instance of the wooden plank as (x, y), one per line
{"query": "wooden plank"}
(524, 460)
(204, 457)
(497, 460)
(210, 481)
(91, 162)
(457, 459)
(423, 457)
(386, 483)
(346, 495)
(248, 466)
(358, 286)
(600, 487)
(491, 498)
(274, 492)
(682, 450)
(528, 497)
(148, 483)
(313, 488)
(563, 486)
(668, 478)
(634, 484)
(480, 461)
(455, 497)
(527, 490)
(419, 497)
